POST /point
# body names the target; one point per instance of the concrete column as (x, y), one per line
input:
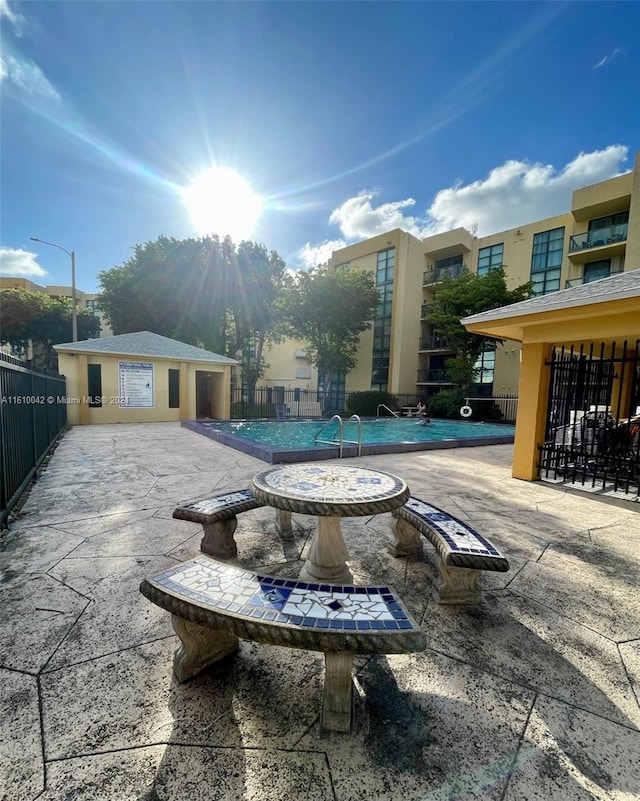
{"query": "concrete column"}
(533, 394)
(183, 390)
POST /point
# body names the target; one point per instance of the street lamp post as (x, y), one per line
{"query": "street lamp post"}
(72, 256)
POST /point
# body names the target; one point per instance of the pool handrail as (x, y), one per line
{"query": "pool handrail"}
(317, 439)
(384, 406)
(341, 426)
(354, 419)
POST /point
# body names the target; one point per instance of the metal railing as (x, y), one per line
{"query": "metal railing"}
(338, 438)
(384, 406)
(592, 434)
(433, 343)
(33, 414)
(435, 274)
(433, 377)
(587, 279)
(599, 237)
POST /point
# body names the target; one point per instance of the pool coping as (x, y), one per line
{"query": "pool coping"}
(278, 455)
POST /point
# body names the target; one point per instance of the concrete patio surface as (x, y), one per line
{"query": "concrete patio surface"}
(534, 694)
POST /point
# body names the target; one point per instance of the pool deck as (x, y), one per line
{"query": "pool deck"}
(532, 695)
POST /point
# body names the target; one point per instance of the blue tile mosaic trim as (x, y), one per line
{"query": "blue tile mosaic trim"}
(286, 601)
(458, 536)
(228, 500)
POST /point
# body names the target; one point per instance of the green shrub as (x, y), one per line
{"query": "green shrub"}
(367, 403)
(446, 403)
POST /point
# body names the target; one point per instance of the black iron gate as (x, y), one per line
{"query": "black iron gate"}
(592, 433)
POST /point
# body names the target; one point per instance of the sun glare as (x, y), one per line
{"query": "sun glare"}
(221, 202)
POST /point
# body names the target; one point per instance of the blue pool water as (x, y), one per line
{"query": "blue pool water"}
(293, 440)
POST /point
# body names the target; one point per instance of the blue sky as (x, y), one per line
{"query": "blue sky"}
(345, 119)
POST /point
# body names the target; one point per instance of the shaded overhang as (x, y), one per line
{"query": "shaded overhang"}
(611, 320)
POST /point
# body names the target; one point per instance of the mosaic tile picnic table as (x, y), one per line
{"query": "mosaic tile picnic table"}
(329, 492)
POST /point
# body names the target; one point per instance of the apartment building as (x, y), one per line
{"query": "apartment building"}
(597, 237)
(84, 300)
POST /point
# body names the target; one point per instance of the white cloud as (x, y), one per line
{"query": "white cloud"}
(519, 192)
(515, 193)
(28, 77)
(313, 255)
(19, 263)
(618, 51)
(358, 218)
(16, 20)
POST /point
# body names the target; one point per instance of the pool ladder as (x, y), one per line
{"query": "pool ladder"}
(341, 441)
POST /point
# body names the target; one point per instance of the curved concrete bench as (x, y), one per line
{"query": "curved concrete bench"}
(218, 516)
(213, 604)
(462, 551)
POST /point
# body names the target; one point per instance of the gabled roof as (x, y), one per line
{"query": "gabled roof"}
(615, 287)
(146, 344)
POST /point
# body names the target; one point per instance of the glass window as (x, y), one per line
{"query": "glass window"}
(382, 323)
(485, 366)
(490, 257)
(595, 270)
(546, 260)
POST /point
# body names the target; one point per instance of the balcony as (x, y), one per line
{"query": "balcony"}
(435, 274)
(424, 310)
(432, 377)
(433, 343)
(587, 279)
(603, 243)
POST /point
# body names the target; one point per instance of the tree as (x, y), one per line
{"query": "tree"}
(43, 320)
(258, 280)
(330, 310)
(205, 292)
(463, 296)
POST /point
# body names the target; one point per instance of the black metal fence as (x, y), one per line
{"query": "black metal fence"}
(593, 424)
(281, 403)
(33, 414)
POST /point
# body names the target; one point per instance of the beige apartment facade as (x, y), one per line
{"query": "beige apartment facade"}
(597, 237)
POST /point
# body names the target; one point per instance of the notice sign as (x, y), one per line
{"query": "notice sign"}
(136, 385)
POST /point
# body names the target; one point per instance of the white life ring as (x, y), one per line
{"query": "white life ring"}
(466, 411)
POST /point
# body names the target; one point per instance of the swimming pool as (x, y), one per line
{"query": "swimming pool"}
(293, 440)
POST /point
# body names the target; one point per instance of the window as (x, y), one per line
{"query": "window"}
(594, 270)
(490, 257)
(546, 261)
(174, 389)
(94, 385)
(382, 322)
(484, 367)
(621, 218)
(450, 267)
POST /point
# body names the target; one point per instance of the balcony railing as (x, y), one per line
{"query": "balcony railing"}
(433, 343)
(435, 274)
(432, 377)
(587, 279)
(598, 238)
(424, 310)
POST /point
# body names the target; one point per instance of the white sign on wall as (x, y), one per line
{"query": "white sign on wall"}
(135, 382)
